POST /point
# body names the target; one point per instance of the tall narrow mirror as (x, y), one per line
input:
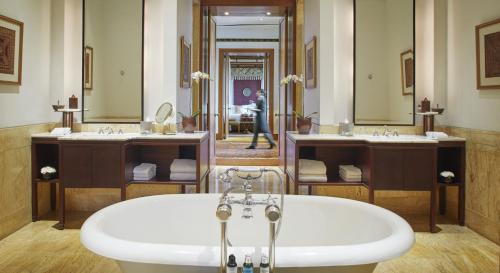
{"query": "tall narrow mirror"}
(384, 73)
(113, 61)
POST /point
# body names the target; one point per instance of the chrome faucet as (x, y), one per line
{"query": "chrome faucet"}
(106, 131)
(387, 131)
(272, 211)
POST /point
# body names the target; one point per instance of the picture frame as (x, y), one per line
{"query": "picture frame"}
(11, 51)
(488, 55)
(185, 65)
(88, 72)
(310, 64)
(407, 72)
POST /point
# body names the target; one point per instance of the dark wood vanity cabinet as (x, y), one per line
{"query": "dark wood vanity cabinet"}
(403, 168)
(92, 165)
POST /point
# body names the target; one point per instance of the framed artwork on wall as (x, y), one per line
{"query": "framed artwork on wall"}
(407, 72)
(185, 69)
(311, 74)
(488, 55)
(11, 51)
(89, 68)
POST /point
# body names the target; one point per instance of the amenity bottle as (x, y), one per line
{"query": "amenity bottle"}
(248, 265)
(264, 265)
(232, 266)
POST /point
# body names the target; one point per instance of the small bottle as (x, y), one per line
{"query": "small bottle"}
(264, 264)
(232, 266)
(248, 265)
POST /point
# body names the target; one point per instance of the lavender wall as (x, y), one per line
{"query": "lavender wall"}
(239, 85)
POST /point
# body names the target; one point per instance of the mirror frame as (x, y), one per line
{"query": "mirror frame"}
(414, 73)
(83, 71)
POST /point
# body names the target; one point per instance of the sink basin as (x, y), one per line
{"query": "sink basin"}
(97, 136)
(400, 139)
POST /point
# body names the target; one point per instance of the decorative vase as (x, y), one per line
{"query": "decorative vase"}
(447, 180)
(189, 124)
(304, 125)
(48, 176)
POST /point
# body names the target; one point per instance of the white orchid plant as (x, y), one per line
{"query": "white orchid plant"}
(198, 75)
(296, 79)
(48, 170)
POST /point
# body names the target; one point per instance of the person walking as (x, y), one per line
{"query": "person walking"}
(260, 122)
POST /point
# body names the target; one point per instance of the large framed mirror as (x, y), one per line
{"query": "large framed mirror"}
(384, 62)
(113, 61)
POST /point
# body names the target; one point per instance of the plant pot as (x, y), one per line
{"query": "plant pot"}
(447, 180)
(189, 124)
(48, 176)
(304, 125)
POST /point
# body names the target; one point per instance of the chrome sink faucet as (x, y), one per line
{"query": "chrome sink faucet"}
(272, 211)
(106, 131)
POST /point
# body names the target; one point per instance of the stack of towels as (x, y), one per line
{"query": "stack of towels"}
(144, 172)
(350, 173)
(183, 170)
(312, 171)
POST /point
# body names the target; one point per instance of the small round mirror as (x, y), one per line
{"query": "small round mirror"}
(164, 112)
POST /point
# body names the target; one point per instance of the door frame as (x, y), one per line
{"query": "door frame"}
(270, 92)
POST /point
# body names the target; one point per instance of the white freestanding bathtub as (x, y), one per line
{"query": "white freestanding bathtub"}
(180, 233)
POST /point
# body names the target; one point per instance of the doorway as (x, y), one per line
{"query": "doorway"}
(242, 72)
(226, 123)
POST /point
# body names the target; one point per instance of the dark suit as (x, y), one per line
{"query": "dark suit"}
(260, 125)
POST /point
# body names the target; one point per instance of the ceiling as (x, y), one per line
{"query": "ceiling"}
(247, 20)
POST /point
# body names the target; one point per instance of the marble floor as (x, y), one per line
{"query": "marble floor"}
(39, 248)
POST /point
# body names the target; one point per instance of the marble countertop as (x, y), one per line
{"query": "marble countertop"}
(370, 138)
(91, 136)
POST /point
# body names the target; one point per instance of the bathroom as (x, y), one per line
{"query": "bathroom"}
(405, 91)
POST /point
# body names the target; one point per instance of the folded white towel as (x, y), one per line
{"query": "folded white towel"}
(436, 135)
(182, 176)
(183, 166)
(351, 179)
(350, 169)
(145, 168)
(312, 167)
(349, 174)
(313, 178)
(143, 177)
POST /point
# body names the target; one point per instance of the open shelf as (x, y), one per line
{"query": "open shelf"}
(332, 183)
(40, 180)
(333, 157)
(162, 181)
(162, 156)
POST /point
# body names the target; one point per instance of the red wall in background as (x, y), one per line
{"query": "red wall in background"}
(239, 85)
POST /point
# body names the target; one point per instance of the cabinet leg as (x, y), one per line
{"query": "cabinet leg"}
(34, 201)
(198, 188)
(461, 205)
(62, 207)
(309, 190)
(442, 200)
(371, 195)
(183, 189)
(295, 188)
(287, 184)
(123, 193)
(207, 183)
(432, 213)
(53, 196)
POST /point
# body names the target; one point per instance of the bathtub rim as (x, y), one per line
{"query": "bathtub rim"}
(400, 241)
